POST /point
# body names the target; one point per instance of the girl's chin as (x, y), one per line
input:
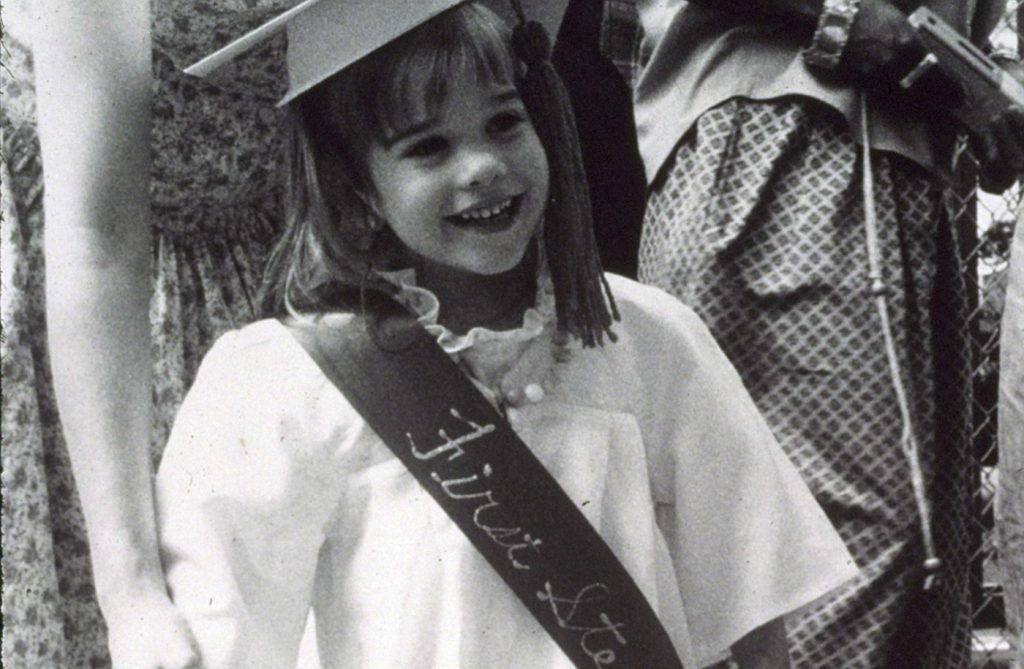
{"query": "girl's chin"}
(488, 267)
(476, 264)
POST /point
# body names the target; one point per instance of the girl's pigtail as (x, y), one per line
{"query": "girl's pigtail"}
(583, 301)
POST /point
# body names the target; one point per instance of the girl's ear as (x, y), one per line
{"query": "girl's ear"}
(342, 193)
(370, 202)
(374, 224)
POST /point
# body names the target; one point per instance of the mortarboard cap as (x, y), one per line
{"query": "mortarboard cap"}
(326, 36)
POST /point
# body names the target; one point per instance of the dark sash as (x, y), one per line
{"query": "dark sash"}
(461, 450)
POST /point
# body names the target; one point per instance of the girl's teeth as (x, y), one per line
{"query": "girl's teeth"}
(478, 214)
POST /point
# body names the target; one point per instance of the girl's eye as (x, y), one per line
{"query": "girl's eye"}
(427, 147)
(507, 122)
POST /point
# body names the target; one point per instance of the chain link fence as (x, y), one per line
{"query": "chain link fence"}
(986, 223)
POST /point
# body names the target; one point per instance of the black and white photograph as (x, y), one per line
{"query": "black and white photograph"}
(481, 334)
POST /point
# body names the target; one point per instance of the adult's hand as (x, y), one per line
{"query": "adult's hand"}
(145, 631)
(882, 49)
(999, 146)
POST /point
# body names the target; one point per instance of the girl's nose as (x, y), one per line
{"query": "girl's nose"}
(481, 168)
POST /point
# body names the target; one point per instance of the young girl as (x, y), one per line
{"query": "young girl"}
(417, 173)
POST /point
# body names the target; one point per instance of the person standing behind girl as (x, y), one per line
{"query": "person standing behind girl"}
(158, 220)
(416, 173)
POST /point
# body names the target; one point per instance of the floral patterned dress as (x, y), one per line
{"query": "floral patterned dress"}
(216, 212)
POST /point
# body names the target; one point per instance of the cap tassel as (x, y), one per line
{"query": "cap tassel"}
(583, 301)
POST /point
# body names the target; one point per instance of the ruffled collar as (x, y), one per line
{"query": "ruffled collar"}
(500, 362)
(427, 307)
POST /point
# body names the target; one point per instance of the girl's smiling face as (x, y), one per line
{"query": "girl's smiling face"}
(464, 186)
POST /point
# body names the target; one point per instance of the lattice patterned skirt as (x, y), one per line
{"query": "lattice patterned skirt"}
(757, 222)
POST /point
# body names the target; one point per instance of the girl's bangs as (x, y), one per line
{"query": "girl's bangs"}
(416, 79)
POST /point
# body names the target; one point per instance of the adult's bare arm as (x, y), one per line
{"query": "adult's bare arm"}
(882, 48)
(93, 76)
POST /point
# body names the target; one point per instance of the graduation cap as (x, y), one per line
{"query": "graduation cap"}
(326, 36)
